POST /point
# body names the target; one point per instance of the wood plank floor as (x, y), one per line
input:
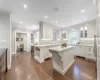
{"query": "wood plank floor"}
(24, 67)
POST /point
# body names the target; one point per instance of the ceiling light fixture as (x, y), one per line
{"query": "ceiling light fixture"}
(21, 22)
(63, 25)
(99, 15)
(85, 19)
(25, 6)
(82, 11)
(56, 21)
(46, 17)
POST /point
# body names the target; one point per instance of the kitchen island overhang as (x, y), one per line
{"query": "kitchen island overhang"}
(62, 58)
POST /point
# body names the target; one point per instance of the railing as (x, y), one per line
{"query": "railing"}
(3, 63)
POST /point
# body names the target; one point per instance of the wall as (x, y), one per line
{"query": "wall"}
(46, 31)
(14, 30)
(91, 28)
(5, 33)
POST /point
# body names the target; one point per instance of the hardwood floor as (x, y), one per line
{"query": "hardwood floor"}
(24, 67)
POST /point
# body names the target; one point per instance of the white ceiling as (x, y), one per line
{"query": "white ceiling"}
(65, 12)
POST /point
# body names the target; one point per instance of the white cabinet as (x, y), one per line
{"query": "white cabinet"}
(80, 51)
(47, 54)
(90, 53)
(84, 51)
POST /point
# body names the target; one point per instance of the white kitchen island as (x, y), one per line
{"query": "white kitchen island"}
(41, 52)
(62, 58)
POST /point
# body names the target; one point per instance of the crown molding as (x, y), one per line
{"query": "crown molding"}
(5, 11)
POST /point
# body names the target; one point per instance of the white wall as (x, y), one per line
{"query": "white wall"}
(14, 30)
(5, 33)
(91, 28)
(46, 31)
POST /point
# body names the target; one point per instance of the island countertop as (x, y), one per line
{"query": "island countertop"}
(2, 50)
(59, 48)
(46, 45)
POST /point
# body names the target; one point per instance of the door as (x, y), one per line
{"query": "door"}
(97, 51)
(25, 41)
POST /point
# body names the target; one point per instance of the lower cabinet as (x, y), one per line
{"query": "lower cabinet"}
(80, 51)
(84, 51)
(90, 53)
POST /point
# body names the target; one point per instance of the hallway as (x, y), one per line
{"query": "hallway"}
(24, 67)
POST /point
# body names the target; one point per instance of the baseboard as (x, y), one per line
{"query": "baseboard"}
(68, 66)
(65, 70)
(37, 59)
(13, 53)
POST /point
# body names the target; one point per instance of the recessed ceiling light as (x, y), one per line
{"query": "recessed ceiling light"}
(21, 22)
(25, 6)
(63, 25)
(99, 15)
(56, 21)
(82, 11)
(46, 17)
(85, 19)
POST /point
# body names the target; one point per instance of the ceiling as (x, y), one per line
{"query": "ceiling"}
(65, 12)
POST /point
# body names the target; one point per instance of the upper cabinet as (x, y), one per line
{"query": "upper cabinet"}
(64, 34)
(83, 31)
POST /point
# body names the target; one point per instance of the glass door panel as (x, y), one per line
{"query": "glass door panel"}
(98, 40)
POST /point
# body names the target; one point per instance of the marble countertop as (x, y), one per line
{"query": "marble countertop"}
(87, 45)
(45, 45)
(59, 49)
(2, 51)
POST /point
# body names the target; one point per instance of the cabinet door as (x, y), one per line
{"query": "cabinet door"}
(80, 51)
(76, 50)
(89, 53)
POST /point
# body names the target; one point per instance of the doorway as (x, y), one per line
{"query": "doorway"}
(20, 42)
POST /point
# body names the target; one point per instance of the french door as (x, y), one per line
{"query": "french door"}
(97, 43)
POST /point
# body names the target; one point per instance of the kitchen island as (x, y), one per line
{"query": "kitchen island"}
(62, 58)
(41, 52)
